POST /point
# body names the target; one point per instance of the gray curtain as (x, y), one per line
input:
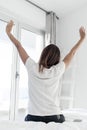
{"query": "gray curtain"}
(50, 34)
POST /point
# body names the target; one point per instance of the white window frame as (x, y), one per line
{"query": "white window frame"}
(15, 64)
(33, 30)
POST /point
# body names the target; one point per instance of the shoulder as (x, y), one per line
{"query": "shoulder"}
(29, 63)
(61, 65)
(59, 69)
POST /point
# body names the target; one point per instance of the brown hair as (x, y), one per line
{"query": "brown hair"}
(50, 56)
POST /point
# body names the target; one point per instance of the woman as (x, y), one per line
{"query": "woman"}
(43, 79)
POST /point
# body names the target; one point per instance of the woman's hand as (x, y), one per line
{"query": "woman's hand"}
(9, 27)
(82, 33)
(23, 54)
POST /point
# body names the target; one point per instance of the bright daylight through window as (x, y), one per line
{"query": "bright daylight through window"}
(5, 72)
(33, 44)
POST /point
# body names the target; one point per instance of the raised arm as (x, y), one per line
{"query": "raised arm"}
(72, 52)
(23, 54)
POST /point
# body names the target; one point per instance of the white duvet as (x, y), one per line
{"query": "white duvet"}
(12, 125)
(76, 119)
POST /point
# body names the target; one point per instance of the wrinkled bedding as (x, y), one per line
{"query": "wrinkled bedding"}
(76, 119)
(13, 125)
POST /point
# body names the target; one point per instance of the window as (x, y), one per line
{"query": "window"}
(5, 72)
(13, 74)
(33, 44)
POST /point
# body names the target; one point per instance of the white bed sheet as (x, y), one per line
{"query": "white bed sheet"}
(75, 114)
(13, 125)
(72, 117)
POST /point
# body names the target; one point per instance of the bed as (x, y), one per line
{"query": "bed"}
(12, 125)
(75, 120)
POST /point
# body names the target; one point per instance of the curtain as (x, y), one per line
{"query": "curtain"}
(50, 34)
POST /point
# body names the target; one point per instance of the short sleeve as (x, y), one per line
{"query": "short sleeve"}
(60, 68)
(29, 63)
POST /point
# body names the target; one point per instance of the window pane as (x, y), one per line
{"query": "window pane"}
(5, 72)
(33, 44)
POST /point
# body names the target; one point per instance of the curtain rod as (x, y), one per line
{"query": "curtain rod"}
(40, 7)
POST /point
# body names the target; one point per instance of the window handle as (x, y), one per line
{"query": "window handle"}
(17, 75)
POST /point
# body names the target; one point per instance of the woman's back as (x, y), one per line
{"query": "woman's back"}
(43, 88)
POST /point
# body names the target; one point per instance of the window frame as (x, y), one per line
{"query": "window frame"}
(16, 62)
(33, 30)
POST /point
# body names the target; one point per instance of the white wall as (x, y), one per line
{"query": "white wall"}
(24, 12)
(67, 36)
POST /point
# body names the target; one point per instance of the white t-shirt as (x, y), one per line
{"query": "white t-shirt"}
(44, 88)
